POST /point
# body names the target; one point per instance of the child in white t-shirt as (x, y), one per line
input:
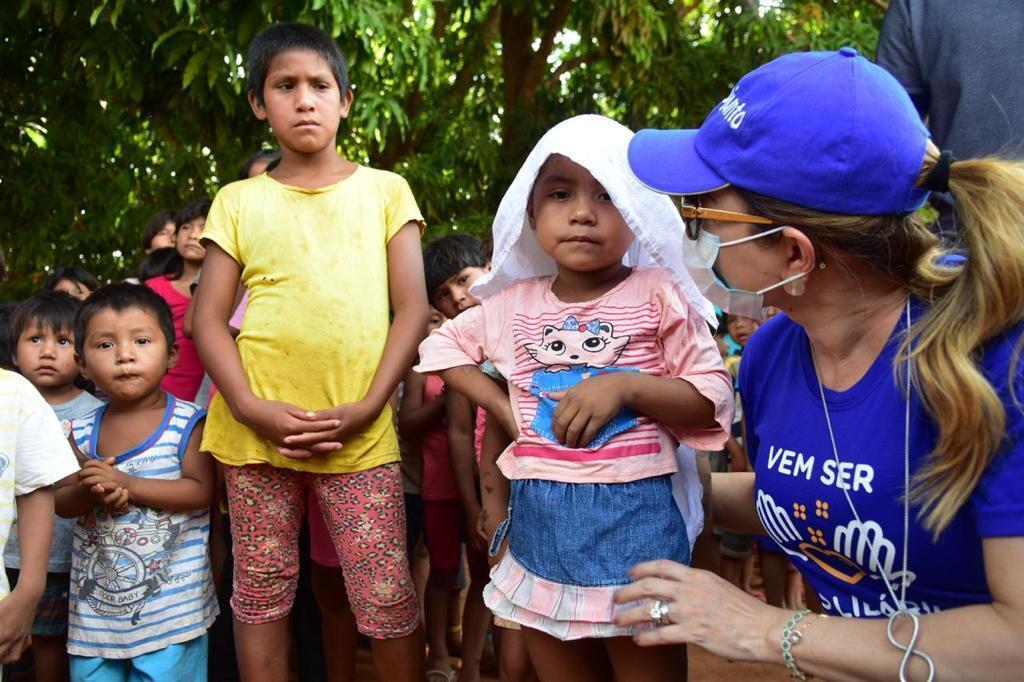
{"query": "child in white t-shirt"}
(33, 456)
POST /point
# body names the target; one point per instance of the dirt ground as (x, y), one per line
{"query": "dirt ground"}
(704, 667)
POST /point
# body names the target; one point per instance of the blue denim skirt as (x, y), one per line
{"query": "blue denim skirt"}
(591, 534)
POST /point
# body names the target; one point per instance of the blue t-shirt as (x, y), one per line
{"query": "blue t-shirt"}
(799, 490)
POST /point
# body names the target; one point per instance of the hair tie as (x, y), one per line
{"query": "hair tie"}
(937, 179)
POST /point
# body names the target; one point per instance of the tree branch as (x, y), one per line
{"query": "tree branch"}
(538, 60)
(554, 24)
(881, 4)
(573, 63)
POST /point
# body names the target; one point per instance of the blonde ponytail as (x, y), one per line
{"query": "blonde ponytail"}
(969, 306)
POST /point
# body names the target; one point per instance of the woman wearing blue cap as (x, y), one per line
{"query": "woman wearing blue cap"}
(904, 509)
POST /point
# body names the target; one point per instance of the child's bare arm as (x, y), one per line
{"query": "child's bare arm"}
(214, 301)
(193, 491)
(481, 389)
(411, 312)
(72, 500)
(408, 326)
(415, 417)
(462, 453)
(186, 322)
(737, 455)
(494, 487)
(35, 521)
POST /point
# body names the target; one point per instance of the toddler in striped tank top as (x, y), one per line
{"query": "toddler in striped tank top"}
(142, 594)
(610, 366)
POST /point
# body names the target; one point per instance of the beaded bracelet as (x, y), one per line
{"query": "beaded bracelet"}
(791, 636)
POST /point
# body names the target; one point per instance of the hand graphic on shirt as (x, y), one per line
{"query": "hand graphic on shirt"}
(865, 543)
(777, 523)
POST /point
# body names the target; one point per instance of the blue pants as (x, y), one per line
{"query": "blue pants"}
(185, 661)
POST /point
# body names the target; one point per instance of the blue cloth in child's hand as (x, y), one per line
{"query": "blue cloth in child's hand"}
(547, 381)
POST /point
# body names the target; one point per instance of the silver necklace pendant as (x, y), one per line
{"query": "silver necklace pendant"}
(909, 650)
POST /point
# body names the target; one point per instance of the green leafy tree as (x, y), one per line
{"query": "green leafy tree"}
(113, 109)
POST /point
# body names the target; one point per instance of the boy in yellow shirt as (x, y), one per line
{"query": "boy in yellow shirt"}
(326, 248)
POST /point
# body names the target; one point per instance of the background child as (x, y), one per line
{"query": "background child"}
(323, 246)
(160, 231)
(155, 264)
(74, 281)
(608, 365)
(258, 163)
(34, 454)
(183, 379)
(421, 425)
(44, 353)
(452, 264)
(142, 594)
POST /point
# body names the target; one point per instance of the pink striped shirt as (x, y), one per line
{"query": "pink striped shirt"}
(533, 338)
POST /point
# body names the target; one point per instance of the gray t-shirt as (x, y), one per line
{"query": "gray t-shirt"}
(963, 65)
(63, 529)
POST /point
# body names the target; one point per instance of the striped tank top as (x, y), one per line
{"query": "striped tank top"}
(140, 578)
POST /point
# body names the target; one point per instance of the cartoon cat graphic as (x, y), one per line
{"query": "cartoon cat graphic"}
(571, 354)
(593, 344)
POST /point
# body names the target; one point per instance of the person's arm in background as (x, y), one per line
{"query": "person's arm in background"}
(461, 416)
(898, 54)
(494, 487)
(416, 418)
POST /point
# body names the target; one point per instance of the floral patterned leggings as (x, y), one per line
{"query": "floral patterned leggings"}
(365, 515)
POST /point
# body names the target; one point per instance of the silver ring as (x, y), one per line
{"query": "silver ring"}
(659, 613)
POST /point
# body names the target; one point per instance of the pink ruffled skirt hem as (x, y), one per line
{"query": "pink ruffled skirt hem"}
(563, 611)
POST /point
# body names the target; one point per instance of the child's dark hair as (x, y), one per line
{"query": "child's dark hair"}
(157, 263)
(197, 208)
(7, 343)
(74, 274)
(155, 225)
(120, 297)
(272, 156)
(278, 38)
(54, 310)
(448, 255)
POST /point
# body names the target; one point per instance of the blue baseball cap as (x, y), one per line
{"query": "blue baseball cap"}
(829, 131)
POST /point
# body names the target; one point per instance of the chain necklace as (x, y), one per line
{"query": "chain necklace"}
(909, 650)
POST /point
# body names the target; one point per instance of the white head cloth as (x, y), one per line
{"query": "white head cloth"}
(598, 144)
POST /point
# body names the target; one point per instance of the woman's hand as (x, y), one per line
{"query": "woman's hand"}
(703, 609)
(586, 407)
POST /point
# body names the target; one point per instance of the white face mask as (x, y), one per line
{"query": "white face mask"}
(700, 257)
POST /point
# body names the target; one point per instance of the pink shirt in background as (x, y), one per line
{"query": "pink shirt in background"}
(438, 477)
(239, 315)
(184, 378)
(643, 324)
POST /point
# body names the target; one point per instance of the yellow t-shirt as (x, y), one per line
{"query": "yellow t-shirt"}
(315, 263)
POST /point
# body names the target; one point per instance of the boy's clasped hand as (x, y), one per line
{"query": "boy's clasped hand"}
(301, 434)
